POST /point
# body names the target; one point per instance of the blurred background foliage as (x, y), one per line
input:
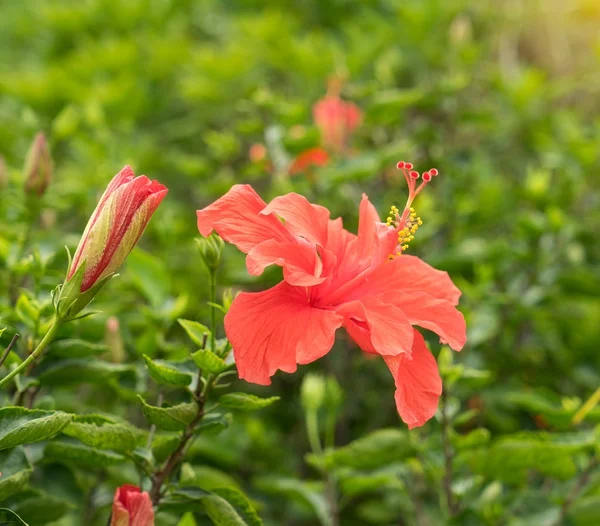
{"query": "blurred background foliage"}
(502, 97)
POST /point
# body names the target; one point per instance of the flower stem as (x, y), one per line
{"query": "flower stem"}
(213, 310)
(46, 340)
(312, 430)
(587, 407)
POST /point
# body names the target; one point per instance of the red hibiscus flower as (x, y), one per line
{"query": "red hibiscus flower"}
(131, 507)
(337, 120)
(333, 278)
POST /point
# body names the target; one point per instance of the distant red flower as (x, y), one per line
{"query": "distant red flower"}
(337, 120)
(131, 507)
(331, 279)
(114, 228)
(307, 159)
(257, 152)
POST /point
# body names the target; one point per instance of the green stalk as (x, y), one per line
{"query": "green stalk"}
(589, 405)
(312, 430)
(213, 310)
(46, 340)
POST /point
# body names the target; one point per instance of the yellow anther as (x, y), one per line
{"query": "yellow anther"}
(419, 222)
(404, 247)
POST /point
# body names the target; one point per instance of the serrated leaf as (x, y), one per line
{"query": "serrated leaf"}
(246, 402)
(16, 471)
(221, 512)
(209, 362)
(166, 373)
(241, 504)
(73, 348)
(116, 437)
(10, 518)
(377, 449)
(174, 418)
(163, 446)
(23, 426)
(213, 423)
(197, 332)
(85, 371)
(205, 477)
(80, 454)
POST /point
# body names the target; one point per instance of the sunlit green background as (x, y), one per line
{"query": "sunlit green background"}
(503, 97)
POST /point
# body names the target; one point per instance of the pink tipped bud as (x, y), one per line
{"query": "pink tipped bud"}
(131, 507)
(433, 172)
(408, 166)
(414, 175)
(38, 167)
(426, 177)
(400, 165)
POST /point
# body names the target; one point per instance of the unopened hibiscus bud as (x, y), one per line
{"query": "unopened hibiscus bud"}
(38, 167)
(211, 250)
(114, 341)
(114, 228)
(131, 507)
(312, 392)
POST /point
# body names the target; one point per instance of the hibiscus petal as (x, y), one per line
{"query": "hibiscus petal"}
(301, 265)
(277, 329)
(437, 315)
(387, 327)
(237, 219)
(418, 383)
(376, 241)
(407, 274)
(301, 217)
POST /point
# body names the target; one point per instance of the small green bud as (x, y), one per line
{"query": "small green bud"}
(114, 341)
(228, 297)
(211, 250)
(38, 167)
(312, 392)
(335, 394)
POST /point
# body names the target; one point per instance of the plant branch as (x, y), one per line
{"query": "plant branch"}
(582, 481)
(448, 458)
(8, 349)
(46, 340)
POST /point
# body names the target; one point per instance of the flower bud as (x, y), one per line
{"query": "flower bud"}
(114, 341)
(131, 507)
(211, 250)
(228, 297)
(312, 392)
(38, 167)
(113, 230)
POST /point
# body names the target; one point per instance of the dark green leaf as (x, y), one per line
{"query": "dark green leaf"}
(174, 418)
(76, 348)
(10, 518)
(16, 471)
(117, 437)
(85, 371)
(209, 362)
(246, 402)
(71, 452)
(166, 373)
(23, 426)
(197, 332)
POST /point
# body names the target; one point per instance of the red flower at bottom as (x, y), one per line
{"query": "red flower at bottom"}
(131, 507)
(331, 279)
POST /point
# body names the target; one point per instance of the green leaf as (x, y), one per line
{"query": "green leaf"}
(205, 477)
(116, 437)
(174, 418)
(39, 508)
(85, 371)
(16, 471)
(245, 402)
(166, 373)
(10, 518)
(209, 362)
(26, 311)
(163, 446)
(150, 275)
(76, 348)
(23, 426)
(241, 504)
(80, 454)
(311, 494)
(187, 520)
(197, 332)
(213, 423)
(377, 449)
(218, 509)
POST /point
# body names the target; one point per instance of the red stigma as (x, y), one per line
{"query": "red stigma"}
(400, 165)
(433, 172)
(426, 176)
(408, 166)
(414, 175)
